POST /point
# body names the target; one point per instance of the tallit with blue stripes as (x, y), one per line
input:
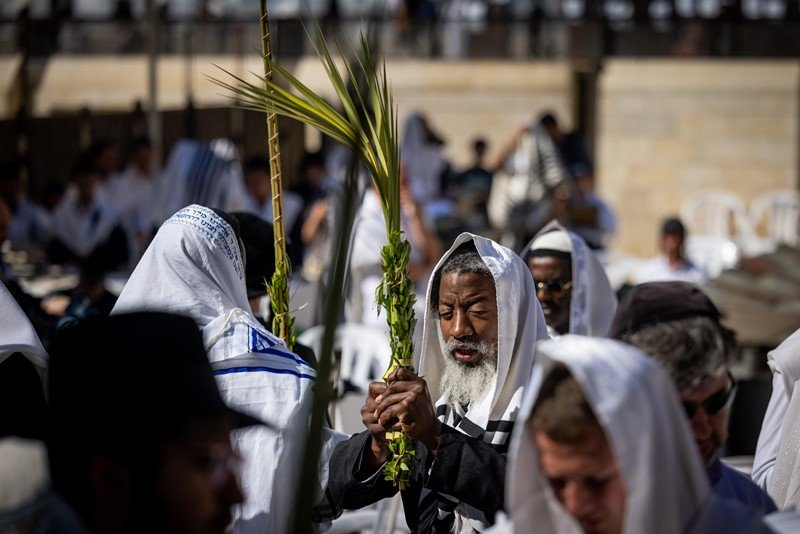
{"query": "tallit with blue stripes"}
(194, 267)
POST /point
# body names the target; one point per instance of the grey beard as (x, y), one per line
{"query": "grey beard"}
(467, 383)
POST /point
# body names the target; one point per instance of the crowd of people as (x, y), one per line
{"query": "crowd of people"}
(541, 401)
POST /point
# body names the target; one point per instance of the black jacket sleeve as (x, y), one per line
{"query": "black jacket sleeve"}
(470, 470)
(346, 474)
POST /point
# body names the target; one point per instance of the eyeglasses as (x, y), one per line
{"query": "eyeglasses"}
(556, 288)
(715, 403)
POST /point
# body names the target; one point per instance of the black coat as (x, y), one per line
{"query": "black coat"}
(464, 467)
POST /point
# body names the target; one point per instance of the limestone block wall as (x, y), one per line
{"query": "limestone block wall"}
(463, 100)
(669, 127)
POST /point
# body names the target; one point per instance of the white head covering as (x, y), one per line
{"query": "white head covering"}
(593, 301)
(520, 324)
(192, 267)
(638, 408)
(17, 333)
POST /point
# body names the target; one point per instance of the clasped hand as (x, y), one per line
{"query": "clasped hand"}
(402, 403)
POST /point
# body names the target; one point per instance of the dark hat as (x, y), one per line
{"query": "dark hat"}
(132, 375)
(656, 302)
(259, 246)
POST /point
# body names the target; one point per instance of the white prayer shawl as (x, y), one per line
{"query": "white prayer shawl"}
(784, 486)
(638, 408)
(593, 301)
(17, 333)
(205, 173)
(194, 267)
(520, 324)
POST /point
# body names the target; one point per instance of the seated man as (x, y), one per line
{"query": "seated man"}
(676, 324)
(481, 323)
(571, 285)
(604, 449)
(85, 225)
(140, 437)
(672, 263)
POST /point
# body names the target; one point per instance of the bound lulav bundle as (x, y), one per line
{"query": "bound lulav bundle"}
(368, 126)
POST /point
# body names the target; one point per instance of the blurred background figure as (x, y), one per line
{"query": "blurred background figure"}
(259, 194)
(586, 214)
(530, 186)
(570, 145)
(30, 224)
(421, 151)
(131, 191)
(474, 186)
(672, 263)
(86, 225)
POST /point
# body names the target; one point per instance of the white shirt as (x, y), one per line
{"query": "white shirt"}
(659, 269)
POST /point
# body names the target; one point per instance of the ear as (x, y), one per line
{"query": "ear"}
(111, 484)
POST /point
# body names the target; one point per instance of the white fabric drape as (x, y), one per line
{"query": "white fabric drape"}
(520, 324)
(638, 408)
(17, 333)
(194, 267)
(593, 300)
(206, 173)
(783, 417)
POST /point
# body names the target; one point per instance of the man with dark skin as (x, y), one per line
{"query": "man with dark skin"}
(553, 276)
(461, 406)
(467, 312)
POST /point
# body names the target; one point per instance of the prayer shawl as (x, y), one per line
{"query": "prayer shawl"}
(520, 324)
(197, 172)
(17, 333)
(638, 408)
(194, 267)
(784, 486)
(593, 302)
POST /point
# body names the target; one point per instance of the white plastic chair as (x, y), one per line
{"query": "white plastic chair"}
(365, 351)
(780, 211)
(716, 212)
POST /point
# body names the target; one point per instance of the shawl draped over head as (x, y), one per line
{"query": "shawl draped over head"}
(593, 302)
(194, 267)
(17, 333)
(520, 326)
(638, 408)
(784, 486)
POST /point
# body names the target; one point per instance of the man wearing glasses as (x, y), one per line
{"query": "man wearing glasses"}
(571, 285)
(679, 327)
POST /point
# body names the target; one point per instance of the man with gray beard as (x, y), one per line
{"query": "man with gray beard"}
(481, 324)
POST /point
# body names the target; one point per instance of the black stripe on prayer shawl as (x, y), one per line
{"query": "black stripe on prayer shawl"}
(440, 518)
(500, 426)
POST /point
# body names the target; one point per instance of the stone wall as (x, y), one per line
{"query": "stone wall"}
(667, 128)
